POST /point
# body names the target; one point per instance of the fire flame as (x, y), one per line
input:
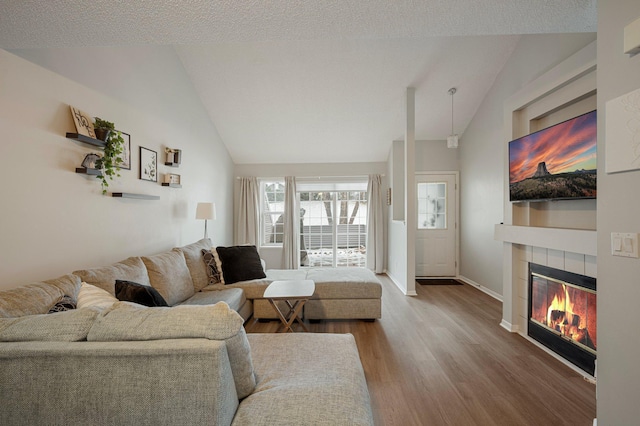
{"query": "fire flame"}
(561, 317)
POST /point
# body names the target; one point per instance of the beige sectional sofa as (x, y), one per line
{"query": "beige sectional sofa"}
(192, 363)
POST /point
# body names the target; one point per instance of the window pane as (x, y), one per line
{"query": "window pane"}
(272, 205)
(432, 205)
(323, 212)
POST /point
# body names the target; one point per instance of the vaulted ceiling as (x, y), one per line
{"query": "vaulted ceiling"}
(312, 81)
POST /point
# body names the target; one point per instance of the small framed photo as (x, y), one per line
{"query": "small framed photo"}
(174, 156)
(172, 178)
(126, 152)
(148, 164)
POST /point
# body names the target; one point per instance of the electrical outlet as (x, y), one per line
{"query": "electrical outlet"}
(624, 244)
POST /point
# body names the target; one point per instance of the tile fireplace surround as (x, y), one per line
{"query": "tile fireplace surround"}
(569, 250)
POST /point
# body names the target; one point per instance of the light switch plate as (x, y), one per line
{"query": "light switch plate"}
(624, 244)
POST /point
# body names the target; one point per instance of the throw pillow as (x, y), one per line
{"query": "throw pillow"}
(66, 303)
(145, 295)
(92, 296)
(239, 263)
(169, 274)
(197, 268)
(212, 267)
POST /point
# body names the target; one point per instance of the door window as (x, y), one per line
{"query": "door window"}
(432, 205)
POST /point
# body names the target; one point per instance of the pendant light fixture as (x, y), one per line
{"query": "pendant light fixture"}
(452, 140)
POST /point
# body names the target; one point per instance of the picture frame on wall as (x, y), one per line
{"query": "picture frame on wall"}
(172, 178)
(126, 151)
(148, 164)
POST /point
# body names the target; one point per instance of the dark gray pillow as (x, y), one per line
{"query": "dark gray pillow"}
(128, 291)
(240, 263)
(66, 303)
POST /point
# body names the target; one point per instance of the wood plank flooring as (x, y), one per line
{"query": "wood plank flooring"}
(441, 358)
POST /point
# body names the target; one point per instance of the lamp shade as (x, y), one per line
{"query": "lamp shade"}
(206, 211)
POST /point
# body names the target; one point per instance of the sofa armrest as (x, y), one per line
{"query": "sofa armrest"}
(114, 383)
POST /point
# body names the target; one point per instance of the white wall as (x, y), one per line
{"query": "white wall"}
(273, 255)
(434, 156)
(397, 234)
(481, 158)
(54, 220)
(618, 211)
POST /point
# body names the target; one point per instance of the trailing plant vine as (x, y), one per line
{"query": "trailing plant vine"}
(109, 163)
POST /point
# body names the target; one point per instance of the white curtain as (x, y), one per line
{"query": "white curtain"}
(291, 237)
(248, 224)
(375, 225)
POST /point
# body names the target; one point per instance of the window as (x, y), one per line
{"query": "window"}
(333, 223)
(432, 205)
(271, 212)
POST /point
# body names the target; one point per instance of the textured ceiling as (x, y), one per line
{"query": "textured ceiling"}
(312, 81)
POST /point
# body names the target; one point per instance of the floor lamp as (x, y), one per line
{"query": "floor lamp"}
(206, 211)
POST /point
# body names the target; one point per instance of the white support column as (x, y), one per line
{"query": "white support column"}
(410, 188)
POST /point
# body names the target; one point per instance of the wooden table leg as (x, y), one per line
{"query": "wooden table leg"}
(295, 310)
(291, 316)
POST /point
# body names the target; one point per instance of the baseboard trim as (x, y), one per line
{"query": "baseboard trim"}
(480, 287)
(397, 283)
(509, 327)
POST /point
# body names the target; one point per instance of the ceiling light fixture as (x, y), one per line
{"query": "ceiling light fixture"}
(452, 140)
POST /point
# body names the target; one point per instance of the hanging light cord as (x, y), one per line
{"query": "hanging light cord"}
(452, 92)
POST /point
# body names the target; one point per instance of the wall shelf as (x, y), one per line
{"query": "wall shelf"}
(86, 171)
(86, 139)
(136, 196)
(172, 164)
(172, 185)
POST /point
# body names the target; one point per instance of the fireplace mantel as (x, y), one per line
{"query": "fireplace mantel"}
(571, 240)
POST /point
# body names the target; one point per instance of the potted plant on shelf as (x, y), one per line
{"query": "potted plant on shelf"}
(109, 163)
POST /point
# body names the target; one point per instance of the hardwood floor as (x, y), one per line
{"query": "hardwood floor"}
(441, 358)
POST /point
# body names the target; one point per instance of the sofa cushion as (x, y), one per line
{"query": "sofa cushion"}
(66, 303)
(145, 295)
(320, 381)
(70, 326)
(286, 274)
(91, 296)
(253, 289)
(193, 257)
(212, 267)
(234, 297)
(124, 321)
(238, 263)
(37, 298)
(69, 284)
(169, 274)
(131, 269)
(345, 283)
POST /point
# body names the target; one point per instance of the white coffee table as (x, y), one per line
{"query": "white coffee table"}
(294, 293)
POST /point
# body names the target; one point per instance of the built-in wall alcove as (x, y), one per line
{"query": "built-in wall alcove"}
(570, 214)
(560, 234)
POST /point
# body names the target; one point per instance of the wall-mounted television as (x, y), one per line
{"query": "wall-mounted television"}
(556, 163)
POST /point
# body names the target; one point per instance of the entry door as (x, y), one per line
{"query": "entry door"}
(436, 227)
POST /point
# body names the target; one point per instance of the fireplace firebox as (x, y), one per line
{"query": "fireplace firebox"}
(562, 314)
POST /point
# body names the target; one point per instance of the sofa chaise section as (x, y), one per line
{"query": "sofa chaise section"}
(306, 379)
(341, 293)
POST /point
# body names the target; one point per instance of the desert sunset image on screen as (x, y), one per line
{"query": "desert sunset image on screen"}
(558, 162)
